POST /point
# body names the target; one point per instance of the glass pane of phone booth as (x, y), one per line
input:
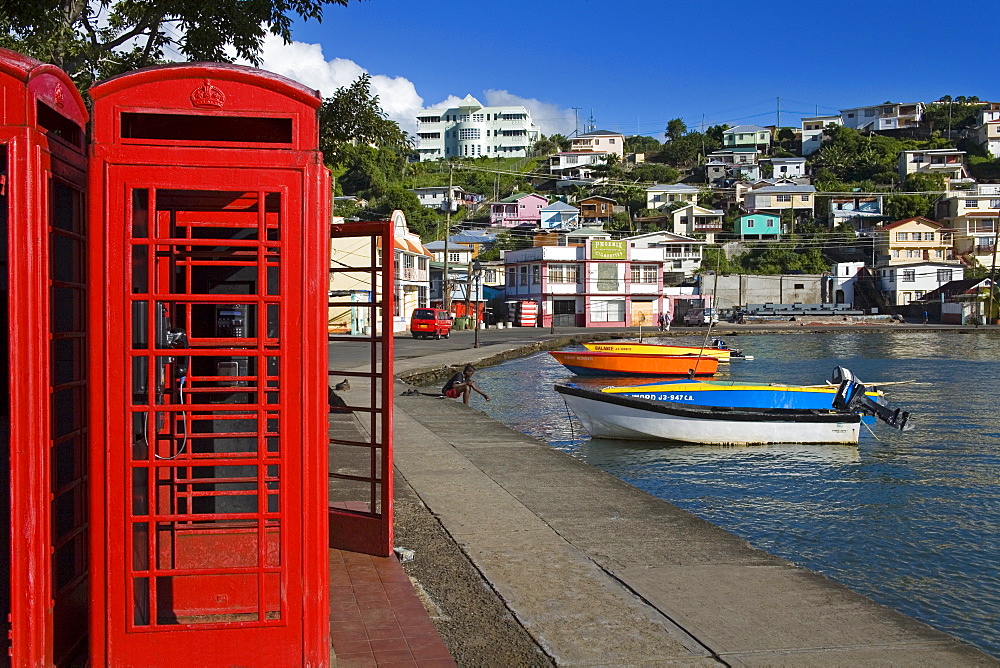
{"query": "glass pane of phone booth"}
(207, 470)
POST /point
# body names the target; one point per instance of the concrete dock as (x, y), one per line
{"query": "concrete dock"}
(600, 573)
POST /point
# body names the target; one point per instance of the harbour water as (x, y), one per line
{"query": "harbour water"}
(909, 519)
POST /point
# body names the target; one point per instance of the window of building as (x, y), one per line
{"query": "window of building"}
(909, 275)
(408, 262)
(524, 275)
(938, 253)
(536, 274)
(454, 257)
(511, 276)
(750, 223)
(556, 274)
(928, 236)
(913, 253)
(463, 118)
(478, 117)
(917, 294)
(943, 275)
(870, 112)
(895, 253)
(799, 286)
(607, 310)
(971, 203)
(611, 141)
(468, 133)
(850, 115)
(644, 273)
(784, 198)
(902, 236)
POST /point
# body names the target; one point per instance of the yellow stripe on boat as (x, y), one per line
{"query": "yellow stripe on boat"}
(722, 354)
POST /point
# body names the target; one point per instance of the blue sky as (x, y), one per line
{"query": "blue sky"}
(635, 64)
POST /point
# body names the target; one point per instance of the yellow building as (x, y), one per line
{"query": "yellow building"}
(914, 240)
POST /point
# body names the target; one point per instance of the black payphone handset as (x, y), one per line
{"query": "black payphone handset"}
(167, 336)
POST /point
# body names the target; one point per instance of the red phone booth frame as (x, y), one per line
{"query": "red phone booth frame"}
(44, 182)
(209, 463)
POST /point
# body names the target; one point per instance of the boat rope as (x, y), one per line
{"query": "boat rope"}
(870, 430)
(569, 416)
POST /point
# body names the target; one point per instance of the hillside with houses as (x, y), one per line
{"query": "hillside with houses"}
(886, 210)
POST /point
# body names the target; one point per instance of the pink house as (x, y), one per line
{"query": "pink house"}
(518, 209)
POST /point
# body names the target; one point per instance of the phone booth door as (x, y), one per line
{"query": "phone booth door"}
(208, 509)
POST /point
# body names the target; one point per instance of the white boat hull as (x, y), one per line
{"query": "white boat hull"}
(639, 419)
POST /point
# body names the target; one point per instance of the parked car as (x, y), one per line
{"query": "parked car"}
(699, 317)
(433, 322)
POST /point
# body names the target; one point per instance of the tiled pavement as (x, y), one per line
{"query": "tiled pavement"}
(376, 618)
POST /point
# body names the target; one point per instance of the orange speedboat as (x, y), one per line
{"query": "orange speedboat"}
(589, 363)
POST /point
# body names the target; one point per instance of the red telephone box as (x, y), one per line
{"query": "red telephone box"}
(210, 460)
(43, 417)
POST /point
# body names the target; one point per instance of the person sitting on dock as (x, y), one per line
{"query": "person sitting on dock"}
(461, 384)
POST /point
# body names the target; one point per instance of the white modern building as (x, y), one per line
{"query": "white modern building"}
(788, 168)
(812, 131)
(882, 117)
(600, 141)
(904, 283)
(470, 130)
(987, 132)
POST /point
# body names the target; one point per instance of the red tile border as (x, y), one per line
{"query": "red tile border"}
(377, 618)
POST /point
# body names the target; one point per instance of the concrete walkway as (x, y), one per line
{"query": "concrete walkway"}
(601, 573)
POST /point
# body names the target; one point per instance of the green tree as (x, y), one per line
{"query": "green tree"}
(958, 114)
(675, 129)
(365, 150)
(900, 207)
(651, 172)
(94, 40)
(551, 144)
(420, 219)
(716, 133)
(642, 144)
(684, 151)
(352, 116)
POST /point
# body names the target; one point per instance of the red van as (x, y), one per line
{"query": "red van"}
(430, 322)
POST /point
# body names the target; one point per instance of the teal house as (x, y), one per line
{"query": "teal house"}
(759, 225)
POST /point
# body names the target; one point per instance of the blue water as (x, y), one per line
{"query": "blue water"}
(909, 519)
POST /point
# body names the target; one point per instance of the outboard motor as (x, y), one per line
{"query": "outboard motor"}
(851, 397)
(840, 374)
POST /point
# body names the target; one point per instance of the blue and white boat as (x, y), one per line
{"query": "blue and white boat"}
(720, 414)
(735, 395)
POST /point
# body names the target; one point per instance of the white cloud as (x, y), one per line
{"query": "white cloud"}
(550, 118)
(398, 96)
(306, 64)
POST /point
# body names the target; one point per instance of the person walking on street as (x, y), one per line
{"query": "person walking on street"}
(660, 321)
(461, 384)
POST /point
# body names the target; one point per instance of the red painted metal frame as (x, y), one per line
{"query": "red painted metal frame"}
(256, 595)
(363, 523)
(42, 122)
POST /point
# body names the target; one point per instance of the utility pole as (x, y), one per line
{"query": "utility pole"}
(445, 282)
(576, 114)
(993, 271)
(777, 125)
